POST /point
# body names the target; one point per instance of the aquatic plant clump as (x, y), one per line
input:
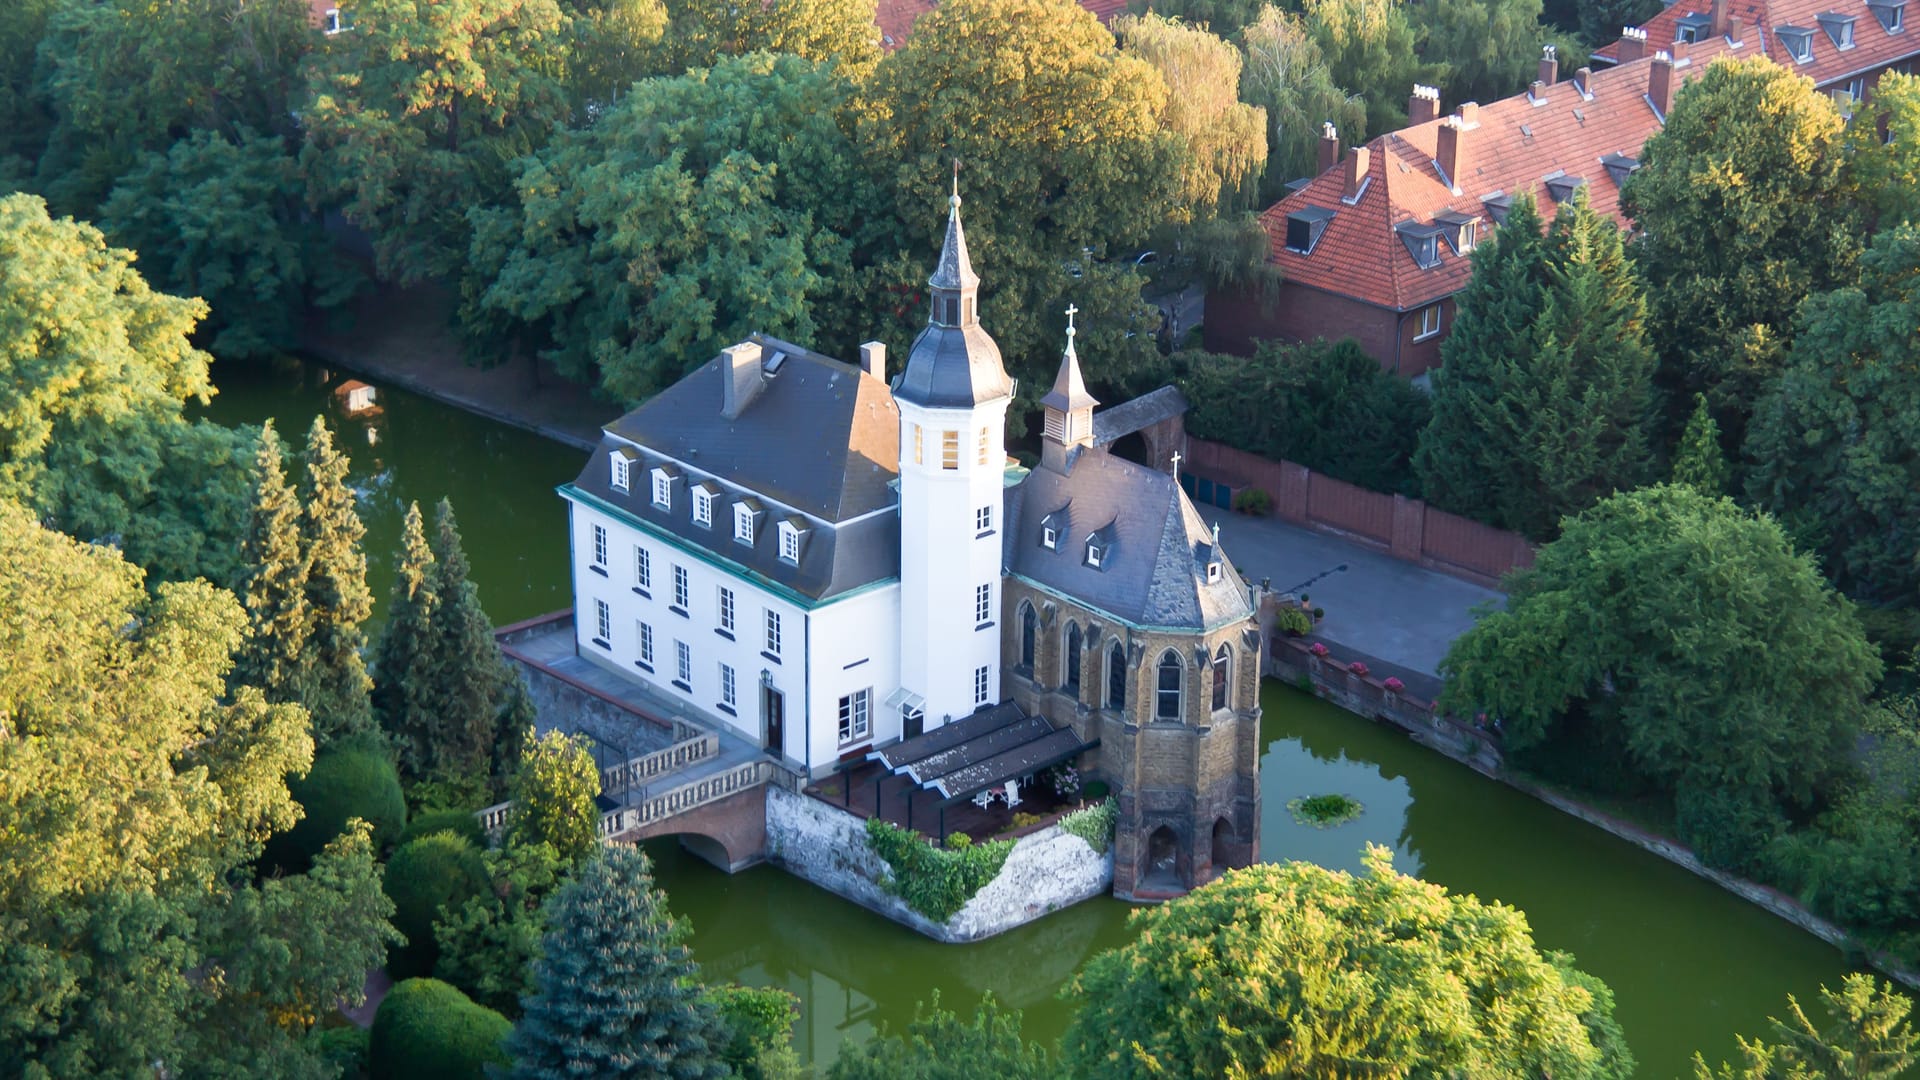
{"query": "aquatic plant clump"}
(1325, 811)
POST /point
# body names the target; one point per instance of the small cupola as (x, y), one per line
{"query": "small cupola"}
(954, 363)
(1068, 407)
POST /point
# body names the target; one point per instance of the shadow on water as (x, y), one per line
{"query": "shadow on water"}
(1689, 964)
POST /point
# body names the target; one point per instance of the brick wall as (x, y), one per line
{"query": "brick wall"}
(1235, 321)
(1405, 528)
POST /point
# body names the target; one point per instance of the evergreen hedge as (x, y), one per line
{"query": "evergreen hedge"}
(936, 882)
(428, 1030)
(461, 823)
(442, 870)
(345, 783)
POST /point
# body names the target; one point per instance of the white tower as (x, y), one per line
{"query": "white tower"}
(953, 398)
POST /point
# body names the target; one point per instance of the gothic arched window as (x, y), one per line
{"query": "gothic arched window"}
(1117, 677)
(1222, 676)
(1070, 678)
(1027, 632)
(1166, 696)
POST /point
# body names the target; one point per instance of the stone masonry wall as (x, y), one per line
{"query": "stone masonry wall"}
(827, 846)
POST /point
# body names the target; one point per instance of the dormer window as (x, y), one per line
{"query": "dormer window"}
(1891, 13)
(1422, 241)
(791, 534)
(1304, 228)
(1693, 27)
(1462, 230)
(1049, 538)
(1560, 186)
(332, 23)
(1839, 28)
(622, 464)
(1798, 42)
(746, 520)
(1095, 552)
(1619, 167)
(1497, 205)
(662, 488)
(1213, 573)
(703, 496)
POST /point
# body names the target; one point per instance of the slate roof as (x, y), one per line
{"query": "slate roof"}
(1152, 573)
(1874, 46)
(818, 445)
(953, 366)
(1521, 144)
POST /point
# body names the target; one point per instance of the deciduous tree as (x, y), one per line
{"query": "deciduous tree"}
(1889, 168)
(1371, 47)
(1287, 75)
(701, 33)
(617, 991)
(553, 796)
(333, 677)
(1686, 640)
(1744, 206)
(1487, 49)
(1225, 141)
(1295, 970)
(1835, 446)
(941, 1045)
(489, 942)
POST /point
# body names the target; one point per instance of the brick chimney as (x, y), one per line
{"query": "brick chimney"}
(1550, 62)
(1733, 29)
(873, 359)
(1632, 45)
(1329, 148)
(1719, 16)
(1424, 105)
(1451, 152)
(1468, 114)
(740, 380)
(1583, 81)
(1660, 84)
(1357, 161)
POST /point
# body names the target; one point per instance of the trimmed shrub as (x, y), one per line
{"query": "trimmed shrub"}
(1094, 824)
(1292, 621)
(427, 1030)
(1253, 502)
(458, 822)
(443, 870)
(936, 882)
(344, 783)
(343, 1048)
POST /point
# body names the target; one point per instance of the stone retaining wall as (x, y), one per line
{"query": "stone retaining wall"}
(572, 708)
(822, 844)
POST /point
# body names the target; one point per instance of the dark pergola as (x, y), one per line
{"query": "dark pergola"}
(969, 756)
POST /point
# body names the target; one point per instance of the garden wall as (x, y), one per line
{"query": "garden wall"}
(825, 845)
(1405, 528)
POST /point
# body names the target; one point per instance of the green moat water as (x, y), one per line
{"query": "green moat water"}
(1689, 964)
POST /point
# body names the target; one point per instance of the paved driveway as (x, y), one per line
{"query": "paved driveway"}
(1378, 605)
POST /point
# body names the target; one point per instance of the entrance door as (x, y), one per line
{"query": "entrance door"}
(773, 705)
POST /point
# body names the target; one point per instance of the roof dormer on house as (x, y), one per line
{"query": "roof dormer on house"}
(1305, 226)
(1693, 27)
(1839, 28)
(1560, 186)
(1422, 241)
(1797, 40)
(1892, 14)
(1619, 167)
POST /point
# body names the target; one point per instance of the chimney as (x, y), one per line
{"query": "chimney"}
(1424, 105)
(873, 359)
(1550, 61)
(1632, 45)
(1329, 148)
(1660, 84)
(1468, 115)
(1719, 16)
(1733, 29)
(1450, 155)
(1356, 173)
(740, 379)
(1583, 81)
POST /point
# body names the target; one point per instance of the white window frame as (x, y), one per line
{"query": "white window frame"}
(983, 604)
(645, 633)
(980, 455)
(726, 608)
(600, 546)
(1093, 553)
(662, 489)
(983, 518)
(603, 622)
(642, 567)
(856, 716)
(683, 661)
(772, 640)
(1430, 322)
(1049, 537)
(789, 543)
(703, 508)
(980, 685)
(622, 478)
(330, 22)
(681, 590)
(743, 523)
(949, 450)
(727, 689)
(917, 447)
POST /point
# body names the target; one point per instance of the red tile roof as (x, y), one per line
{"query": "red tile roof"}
(1760, 21)
(1516, 147)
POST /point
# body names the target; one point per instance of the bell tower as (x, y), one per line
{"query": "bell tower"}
(953, 397)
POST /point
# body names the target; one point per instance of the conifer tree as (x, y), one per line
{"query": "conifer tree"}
(457, 682)
(272, 580)
(1548, 408)
(1697, 461)
(617, 992)
(1474, 433)
(403, 642)
(334, 682)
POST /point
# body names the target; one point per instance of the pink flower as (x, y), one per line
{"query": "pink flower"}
(1358, 668)
(1394, 685)
(1317, 649)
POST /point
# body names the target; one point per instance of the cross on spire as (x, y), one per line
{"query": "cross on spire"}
(1176, 464)
(1071, 312)
(956, 181)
